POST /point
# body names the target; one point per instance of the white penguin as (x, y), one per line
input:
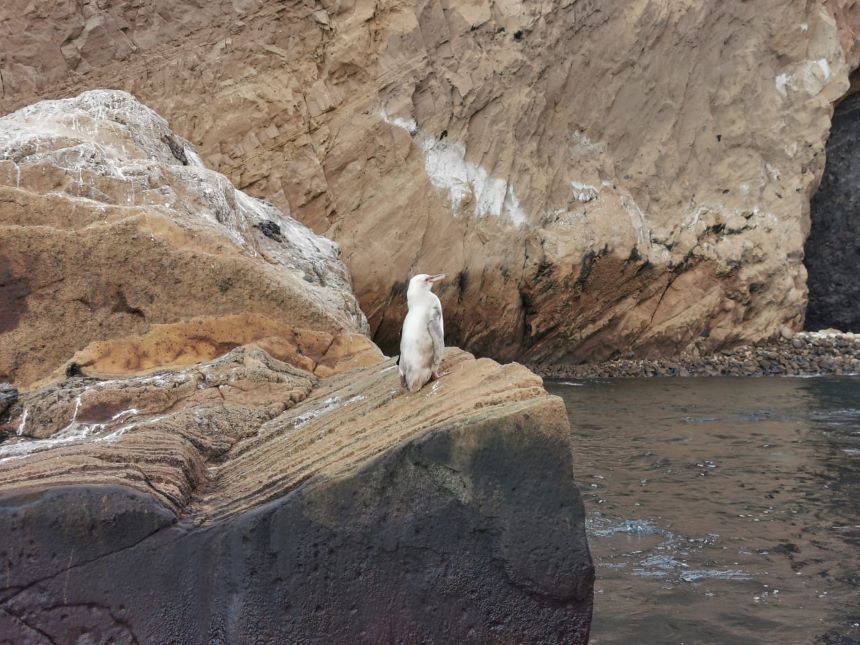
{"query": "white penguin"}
(422, 343)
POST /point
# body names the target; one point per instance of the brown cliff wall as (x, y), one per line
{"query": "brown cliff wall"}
(596, 177)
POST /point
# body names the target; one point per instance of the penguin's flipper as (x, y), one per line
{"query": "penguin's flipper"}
(437, 335)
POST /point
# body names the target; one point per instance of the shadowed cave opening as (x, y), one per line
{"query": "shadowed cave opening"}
(832, 254)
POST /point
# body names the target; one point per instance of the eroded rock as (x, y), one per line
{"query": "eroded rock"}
(600, 177)
(247, 500)
(108, 231)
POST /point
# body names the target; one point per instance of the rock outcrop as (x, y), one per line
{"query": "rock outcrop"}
(600, 177)
(246, 500)
(201, 443)
(113, 232)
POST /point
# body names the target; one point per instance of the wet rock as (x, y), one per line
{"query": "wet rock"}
(832, 252)
(247, 499)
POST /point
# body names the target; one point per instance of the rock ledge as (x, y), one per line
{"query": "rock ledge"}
(245, 500)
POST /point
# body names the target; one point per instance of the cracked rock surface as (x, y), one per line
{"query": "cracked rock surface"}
(247, 500)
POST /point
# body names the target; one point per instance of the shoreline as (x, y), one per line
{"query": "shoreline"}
(806, 353)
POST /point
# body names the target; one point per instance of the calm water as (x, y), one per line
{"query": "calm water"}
(722, 510)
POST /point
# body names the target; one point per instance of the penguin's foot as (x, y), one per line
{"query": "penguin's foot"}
(437, 374)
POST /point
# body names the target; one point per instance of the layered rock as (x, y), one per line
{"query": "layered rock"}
(111, 228)
(246, 500)
(204, 444)
(597, 178)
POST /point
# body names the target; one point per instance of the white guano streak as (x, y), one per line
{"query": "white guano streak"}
(447, 168)
(23, 423)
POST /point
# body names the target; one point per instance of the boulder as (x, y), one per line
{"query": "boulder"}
(596, 177)
(246, 500)
(112, 230)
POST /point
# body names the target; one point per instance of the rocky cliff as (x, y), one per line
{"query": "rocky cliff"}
(597, 177)
(245, 500)
(203, 445)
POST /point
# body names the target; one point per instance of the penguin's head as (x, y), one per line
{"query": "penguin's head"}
(422, 283)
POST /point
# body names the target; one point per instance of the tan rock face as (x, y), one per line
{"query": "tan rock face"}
(577, 166)
(203, 339)
(110, 226)
(847, 16)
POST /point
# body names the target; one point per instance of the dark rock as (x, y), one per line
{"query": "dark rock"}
(271, 229)
(835, 637)
(415, 548)
(176, 148)
(832, 258)
(8, 396)
(14, 290)
(73, 370)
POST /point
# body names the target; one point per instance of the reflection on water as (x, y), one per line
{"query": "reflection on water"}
(721, 510)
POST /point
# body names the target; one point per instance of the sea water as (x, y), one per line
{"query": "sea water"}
(720, 510)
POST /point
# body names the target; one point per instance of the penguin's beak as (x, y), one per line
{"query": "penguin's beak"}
(436, 278)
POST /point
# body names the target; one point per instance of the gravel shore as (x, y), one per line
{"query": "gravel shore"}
(801, 354)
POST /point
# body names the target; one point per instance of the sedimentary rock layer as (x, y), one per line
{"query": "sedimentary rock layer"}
(110, 225)
(597, 177)
(244, 500)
